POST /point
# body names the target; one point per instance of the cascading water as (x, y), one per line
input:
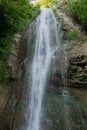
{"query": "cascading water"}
(49, 65)
(46, 44)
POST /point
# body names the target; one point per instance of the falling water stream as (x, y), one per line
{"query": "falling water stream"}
(60, 110)
(47, 43)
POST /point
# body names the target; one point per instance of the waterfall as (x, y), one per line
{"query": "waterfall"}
(47, 43)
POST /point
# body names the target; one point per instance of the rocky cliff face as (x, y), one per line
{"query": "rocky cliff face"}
(11, 94)
(76, 50)
(14, 96)
(17, 56)
(77, 70)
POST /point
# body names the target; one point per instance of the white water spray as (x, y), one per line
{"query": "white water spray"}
(47, 42)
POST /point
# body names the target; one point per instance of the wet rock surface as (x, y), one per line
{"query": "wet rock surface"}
(11, 94)
(17, 56)
(19, 112)
(4, 97)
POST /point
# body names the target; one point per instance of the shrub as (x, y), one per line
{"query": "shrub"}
(71, 35)
(79, 11)
(12, 12)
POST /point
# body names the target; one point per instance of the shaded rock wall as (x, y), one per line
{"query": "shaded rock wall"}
(11, 94)
(17, 56)
(77, 69)
(19, 115)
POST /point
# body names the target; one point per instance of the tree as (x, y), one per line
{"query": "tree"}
(12, 12)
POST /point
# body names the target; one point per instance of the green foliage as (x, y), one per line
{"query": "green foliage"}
(14, 12)
(15, 15)
(4, 47)
(79, 11)
(73, 35)
(4, 75)
(4, 53)
(45, 3)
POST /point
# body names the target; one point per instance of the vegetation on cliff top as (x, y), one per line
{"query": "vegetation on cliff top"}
(78, 10)
(46, 3)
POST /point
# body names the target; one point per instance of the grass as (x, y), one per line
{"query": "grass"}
(73, 35)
